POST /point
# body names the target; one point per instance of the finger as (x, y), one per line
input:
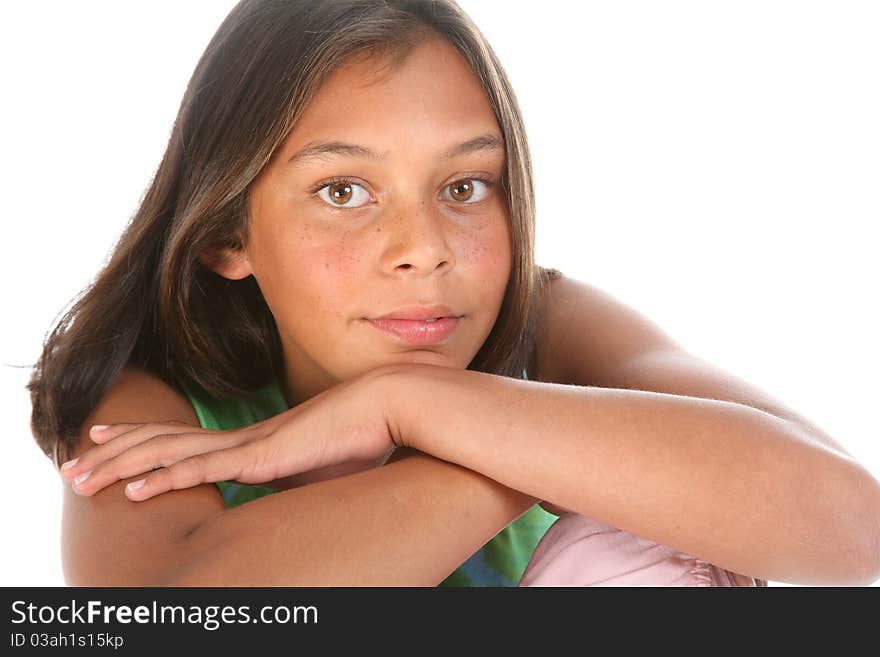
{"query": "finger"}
(125, 438)
(222, 465)
(102, 433)
(156, 452)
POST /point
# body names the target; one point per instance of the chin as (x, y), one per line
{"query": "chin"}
(426, 357)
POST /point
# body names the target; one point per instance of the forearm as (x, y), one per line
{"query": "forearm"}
(740, 488)
(409, 523)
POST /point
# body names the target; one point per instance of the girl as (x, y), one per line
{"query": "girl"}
(322, 354)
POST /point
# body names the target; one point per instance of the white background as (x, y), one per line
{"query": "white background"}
(712, 164)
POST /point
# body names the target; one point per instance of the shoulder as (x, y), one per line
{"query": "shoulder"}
(136, 396)
(587, 337)
(108, 539)
(140, 396)
(585, 334)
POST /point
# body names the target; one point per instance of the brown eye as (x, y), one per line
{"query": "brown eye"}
(467, 190)
(462, 190)
(340, 193)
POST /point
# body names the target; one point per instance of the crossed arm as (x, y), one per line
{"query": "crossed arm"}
(741, 488)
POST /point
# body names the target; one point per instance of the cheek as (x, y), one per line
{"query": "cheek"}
(301, 276)
(487, 251)
(334, 273)
(340, 260)
(335, 270)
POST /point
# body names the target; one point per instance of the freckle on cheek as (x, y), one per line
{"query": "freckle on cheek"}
(475, 251)
(342, 261)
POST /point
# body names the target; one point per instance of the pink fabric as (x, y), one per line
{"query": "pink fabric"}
(581, 551)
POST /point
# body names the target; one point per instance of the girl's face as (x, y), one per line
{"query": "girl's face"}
(370, 208)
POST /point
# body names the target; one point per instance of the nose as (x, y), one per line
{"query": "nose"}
(418, 241)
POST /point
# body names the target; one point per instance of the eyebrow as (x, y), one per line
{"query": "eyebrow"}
(317, 150)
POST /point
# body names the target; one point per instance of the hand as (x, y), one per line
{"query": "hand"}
(343, 425)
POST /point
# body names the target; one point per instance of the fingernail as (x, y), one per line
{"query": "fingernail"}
(69, 464)
(133, 486)
(78, 479)
(99, 427)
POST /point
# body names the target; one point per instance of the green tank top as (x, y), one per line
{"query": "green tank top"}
(500, 562)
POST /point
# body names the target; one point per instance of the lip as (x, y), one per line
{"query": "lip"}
(416, 331)
(419, 313)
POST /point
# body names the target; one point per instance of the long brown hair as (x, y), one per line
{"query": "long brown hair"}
(156, 306)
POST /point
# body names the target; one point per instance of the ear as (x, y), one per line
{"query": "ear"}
(228, 263)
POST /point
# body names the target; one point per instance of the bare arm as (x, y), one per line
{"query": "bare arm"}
(411, 522)
(743, 489)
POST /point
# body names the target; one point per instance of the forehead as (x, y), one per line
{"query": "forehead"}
(432, 97)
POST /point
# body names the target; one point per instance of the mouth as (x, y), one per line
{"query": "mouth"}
(421, 332)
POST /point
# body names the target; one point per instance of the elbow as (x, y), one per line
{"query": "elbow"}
(863, 569)
(839, 542)
(871, 558)
(860, 539)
